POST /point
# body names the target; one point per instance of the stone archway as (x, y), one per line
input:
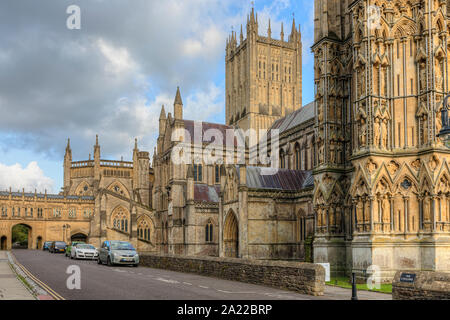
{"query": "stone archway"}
(231, 236)
(21, 236)
(4, 243)
(80, 237)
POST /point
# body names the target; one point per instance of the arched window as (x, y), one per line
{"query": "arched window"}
(209, 232)
(198, 173)
(144, 229)
(297, 157)
(282, 159)
(120, 218)
(217, 174)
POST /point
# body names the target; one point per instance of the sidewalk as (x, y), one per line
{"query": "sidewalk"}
(336, 293)
(11, 288)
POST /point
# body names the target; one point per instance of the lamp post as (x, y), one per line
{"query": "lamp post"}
(444, 134)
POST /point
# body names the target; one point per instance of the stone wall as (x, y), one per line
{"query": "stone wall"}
(427, 285)
(305, 278)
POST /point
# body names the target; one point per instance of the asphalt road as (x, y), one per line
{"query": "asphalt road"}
(124, 283)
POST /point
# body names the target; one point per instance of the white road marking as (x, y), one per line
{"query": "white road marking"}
(167, 280)
(230, 292)
(187, 283)
(204, 287)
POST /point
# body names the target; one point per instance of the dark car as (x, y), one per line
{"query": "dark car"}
(58, 247)
(46, 245)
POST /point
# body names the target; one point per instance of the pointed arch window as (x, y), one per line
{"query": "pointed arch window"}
(144, 230)
(298, 157)
(120, 220)
(209, 232)
(198, 173)
(282, 160)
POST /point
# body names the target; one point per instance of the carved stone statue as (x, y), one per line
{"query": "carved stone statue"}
(376, 132)
(384, 134)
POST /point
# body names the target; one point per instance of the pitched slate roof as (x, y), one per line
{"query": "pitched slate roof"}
(189, 125)
(294, 119)
(205, 193)
(278, 179)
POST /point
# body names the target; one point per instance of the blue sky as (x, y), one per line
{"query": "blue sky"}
(112, 76)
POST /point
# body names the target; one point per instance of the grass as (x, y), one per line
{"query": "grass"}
(344, 282)
(25, 282)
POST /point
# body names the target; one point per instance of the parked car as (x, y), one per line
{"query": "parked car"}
(83, 251)
(69, 247)
(58, 247)
(46, 245)
(118, 252)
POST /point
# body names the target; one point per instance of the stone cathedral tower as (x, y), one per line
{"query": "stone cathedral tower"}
(263, 76)
(382, 177)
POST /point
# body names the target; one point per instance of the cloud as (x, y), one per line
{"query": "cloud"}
(30, 178)
(112, 76)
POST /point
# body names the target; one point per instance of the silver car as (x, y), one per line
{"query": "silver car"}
(118, 252)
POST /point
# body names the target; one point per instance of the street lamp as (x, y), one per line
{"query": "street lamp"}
(444, 134)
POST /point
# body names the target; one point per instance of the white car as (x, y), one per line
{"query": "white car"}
(83, 251)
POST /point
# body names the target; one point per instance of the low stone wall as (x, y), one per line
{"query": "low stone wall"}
(421, 285)
(305, 278)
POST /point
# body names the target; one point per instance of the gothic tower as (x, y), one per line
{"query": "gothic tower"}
(332, 69)
(263, 76)
(382, 179)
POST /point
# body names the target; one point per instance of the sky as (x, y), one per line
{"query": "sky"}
(111, 76)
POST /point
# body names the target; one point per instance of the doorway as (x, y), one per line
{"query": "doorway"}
(231, 236)
(4, 243)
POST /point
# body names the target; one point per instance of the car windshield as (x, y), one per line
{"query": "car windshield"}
(85, 246)
(121, 246)
(60, 243)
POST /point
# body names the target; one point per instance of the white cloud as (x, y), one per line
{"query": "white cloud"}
(29, 178)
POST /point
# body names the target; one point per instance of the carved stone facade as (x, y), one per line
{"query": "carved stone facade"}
(263, 76)
(101, 200)
(185, 193)
(381, 76)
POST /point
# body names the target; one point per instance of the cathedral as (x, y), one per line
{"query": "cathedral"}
(362, 179)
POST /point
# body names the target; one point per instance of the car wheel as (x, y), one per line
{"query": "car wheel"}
(71, 256)
(135, 265)
(108, 262)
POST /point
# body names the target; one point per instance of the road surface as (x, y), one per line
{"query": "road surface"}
(100, 282)
(142, 283)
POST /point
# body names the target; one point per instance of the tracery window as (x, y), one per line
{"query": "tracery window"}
(120, 219)
(144, 230)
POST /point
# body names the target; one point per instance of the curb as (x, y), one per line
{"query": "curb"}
(39, 290)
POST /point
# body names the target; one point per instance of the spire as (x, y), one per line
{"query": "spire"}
(178, 97)
(252, 16)
(294, 31)
(96, 140)
(282, 32)
(135, 144)
(68, 155)
(162, 116)
(242, 36)
(269, 31)
(178, 106)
